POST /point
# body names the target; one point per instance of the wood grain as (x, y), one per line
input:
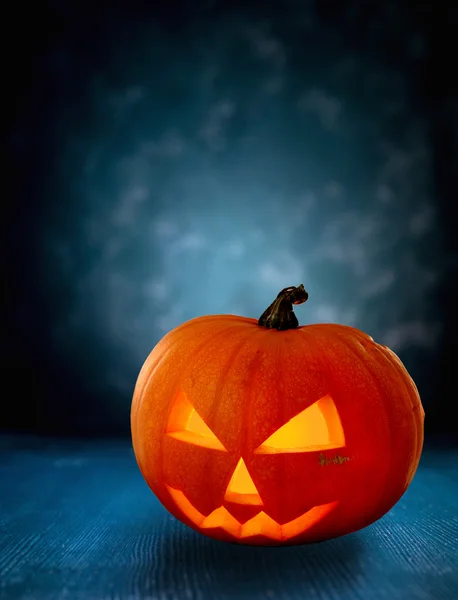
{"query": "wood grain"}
(77, 522)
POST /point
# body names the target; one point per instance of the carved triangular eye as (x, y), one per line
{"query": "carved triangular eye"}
(187, 425)
(318, 427)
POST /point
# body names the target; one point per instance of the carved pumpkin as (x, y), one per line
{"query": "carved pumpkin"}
(264, 432)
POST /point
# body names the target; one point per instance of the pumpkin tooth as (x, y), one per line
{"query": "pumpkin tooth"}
(259, 525)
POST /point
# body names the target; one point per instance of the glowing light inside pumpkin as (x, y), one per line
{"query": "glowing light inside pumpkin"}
(241, 488)
(187, 425)
(318, 427)
(261, 524)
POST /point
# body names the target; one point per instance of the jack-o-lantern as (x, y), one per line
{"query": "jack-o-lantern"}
(264, 432)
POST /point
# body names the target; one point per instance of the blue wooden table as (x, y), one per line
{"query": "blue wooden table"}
(77, 522)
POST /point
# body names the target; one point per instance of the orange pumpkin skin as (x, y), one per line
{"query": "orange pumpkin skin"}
(246, 382)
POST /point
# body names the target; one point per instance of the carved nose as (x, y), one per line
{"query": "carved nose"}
(241, 488)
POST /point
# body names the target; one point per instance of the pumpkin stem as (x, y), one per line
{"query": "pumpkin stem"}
(280, 314)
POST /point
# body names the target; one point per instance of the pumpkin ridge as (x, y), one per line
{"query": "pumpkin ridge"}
(200, 349)
(223, 377)
(225, 371)
(160, 359)
(351, 347)
(261, 334)
(322, 349)
(413, 395)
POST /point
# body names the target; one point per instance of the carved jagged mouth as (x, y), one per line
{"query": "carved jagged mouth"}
(261, 524)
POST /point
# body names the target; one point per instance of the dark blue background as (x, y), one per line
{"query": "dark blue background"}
(196, 158)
